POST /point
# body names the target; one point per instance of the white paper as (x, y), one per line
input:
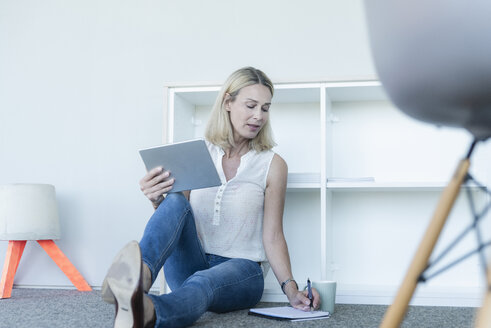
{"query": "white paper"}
(291, 313)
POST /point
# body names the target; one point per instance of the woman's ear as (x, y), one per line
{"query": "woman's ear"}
(227, 99)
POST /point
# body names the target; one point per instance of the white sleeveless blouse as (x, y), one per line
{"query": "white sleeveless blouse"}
(229, 218)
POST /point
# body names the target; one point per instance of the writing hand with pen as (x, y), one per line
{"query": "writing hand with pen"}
(301, 300)
(310, 296)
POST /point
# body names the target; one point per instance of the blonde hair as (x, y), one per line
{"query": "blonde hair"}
(219, 129)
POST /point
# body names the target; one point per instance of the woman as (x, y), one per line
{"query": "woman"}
(216, 247)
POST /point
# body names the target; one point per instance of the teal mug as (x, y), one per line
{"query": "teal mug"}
(327, 292)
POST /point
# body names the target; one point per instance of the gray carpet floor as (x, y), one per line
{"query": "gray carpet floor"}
(43, 308)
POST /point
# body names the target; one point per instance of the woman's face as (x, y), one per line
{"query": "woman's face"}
(249, 112)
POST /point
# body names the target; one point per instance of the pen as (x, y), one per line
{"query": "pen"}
(309, 287)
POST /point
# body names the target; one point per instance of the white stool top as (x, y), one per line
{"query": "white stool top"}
(28, 212)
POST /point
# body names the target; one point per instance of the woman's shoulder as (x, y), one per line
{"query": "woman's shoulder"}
(278, 170)
(278, 162)
(272, 157)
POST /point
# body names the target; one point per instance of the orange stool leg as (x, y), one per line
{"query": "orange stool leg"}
(65, 265)
(14, 253)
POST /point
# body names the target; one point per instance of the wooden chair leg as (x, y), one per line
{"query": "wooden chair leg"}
(396, 312)
(483, 319)
(15, 249)
(65, 265)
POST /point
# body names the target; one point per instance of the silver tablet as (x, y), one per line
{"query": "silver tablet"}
(189, 162)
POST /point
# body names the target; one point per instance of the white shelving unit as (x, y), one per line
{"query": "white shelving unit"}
(333, 135)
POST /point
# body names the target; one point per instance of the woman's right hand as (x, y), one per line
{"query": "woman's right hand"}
(155, 184)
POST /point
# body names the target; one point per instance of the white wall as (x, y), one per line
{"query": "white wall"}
(81, 91)
(289, 39)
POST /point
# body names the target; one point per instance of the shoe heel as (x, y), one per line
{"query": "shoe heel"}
(125, 285)
(124, 310)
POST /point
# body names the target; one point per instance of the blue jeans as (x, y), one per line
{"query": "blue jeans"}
(199, 281)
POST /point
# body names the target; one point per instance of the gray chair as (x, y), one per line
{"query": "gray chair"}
(433, 57)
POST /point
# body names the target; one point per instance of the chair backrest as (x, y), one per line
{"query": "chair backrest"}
(433, 57)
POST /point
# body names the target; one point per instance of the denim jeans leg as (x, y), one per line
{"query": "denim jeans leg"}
(231, 285)
(237, 284)
(171, 232)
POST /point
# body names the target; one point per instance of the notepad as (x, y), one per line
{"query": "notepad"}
(288, 313)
